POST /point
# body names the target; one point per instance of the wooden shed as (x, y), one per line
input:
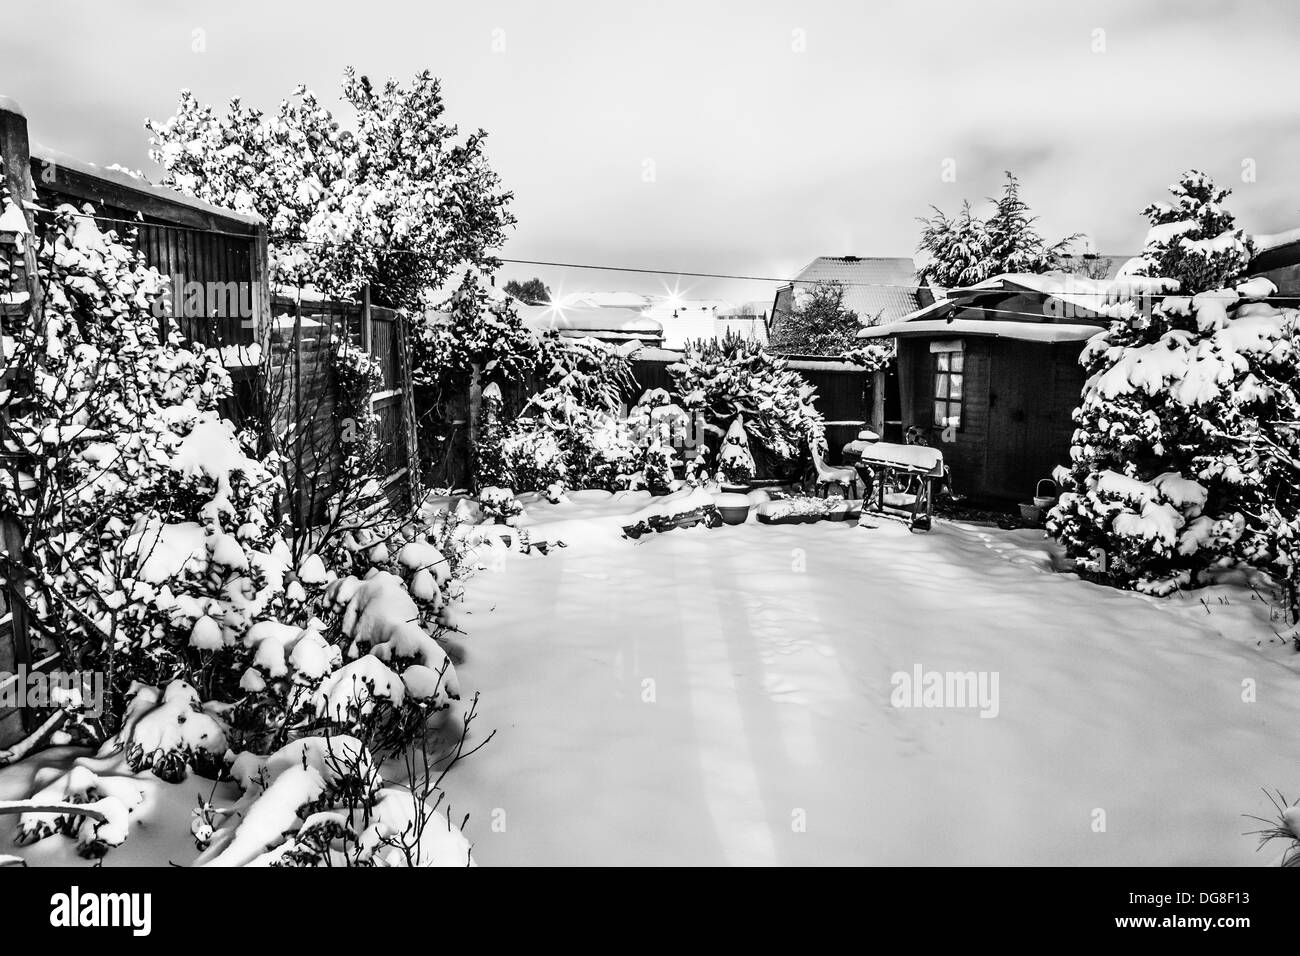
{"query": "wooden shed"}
(991, 376)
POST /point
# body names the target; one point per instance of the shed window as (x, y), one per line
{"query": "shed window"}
(948, 375)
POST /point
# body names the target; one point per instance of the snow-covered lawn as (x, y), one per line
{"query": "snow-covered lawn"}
(724, 696)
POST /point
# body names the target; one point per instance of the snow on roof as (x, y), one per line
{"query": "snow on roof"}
(992, 328)
(605, 300)
(753, 307)
(122, 177)
(813, 363)
(1276, 240)
(620, 323)
(663, 306)
(653, 353)
(1079, 297)
(1097, 296)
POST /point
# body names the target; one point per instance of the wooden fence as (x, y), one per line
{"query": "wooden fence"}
(302, 394)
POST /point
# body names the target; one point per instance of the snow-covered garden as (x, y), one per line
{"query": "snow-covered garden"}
(731, 696)
(694, 643)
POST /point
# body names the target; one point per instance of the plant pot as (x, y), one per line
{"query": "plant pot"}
(788, 519)
(734, 514)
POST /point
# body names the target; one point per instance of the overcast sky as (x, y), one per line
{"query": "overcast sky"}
(772, 132)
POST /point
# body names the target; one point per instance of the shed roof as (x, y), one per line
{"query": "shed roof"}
(1020, 306)
(989, 328)
(122, 179)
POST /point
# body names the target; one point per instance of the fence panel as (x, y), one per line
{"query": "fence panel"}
(303, 393)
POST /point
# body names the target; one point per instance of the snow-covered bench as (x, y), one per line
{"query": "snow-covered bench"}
(900, 478)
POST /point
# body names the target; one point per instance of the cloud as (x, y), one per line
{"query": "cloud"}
(765, 154)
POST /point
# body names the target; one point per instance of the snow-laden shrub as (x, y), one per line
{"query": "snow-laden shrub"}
(475, 339)
(1189, 434)
(475, 331)
(368, 667)
(153, 551)
(315, 801)
(321, 801)
(354, 652)
(735, 463)
(571, 433)
(657, 428)
(357, 377)
(723, 378)
(874, 355)
(1183, 458)
(137, 499)
(818, 323)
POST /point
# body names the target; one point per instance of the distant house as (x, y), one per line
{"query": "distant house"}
(607, 324)
(990, 374)
(679, 320)
(748, 320)
(879, 290)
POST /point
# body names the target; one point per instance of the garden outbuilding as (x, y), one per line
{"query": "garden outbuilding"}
(990, 375)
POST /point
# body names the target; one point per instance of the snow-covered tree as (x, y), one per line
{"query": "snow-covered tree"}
(965, 249)
(735, 463)
(475, 341)
(1194, 239)
(817, 323)
(399, 202)
(720, 379)
(533, 291)
(1187, 426)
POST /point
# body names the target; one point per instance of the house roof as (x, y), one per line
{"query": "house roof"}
(872, 285)
(606, 300)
